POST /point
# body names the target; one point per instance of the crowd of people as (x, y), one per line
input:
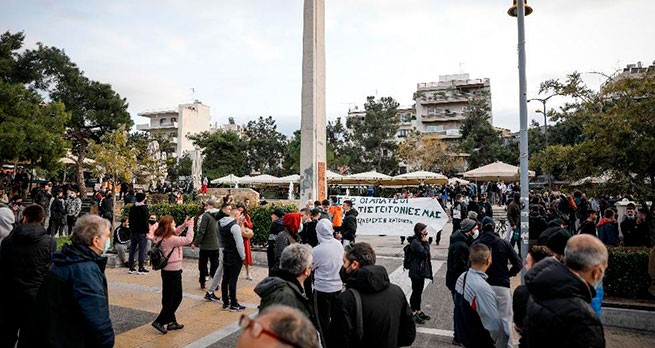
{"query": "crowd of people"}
(323, 287)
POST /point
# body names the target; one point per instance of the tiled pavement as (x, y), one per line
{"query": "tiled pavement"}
(136, 301)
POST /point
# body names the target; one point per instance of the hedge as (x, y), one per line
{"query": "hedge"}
(260, 215)
(177, 211)
(627, 273)
(261, 220)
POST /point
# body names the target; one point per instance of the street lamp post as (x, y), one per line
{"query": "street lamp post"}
(520, 10)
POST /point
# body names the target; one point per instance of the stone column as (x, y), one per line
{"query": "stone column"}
(312, 125)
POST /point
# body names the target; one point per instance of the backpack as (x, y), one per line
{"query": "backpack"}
(157, 258)
(407, 258)
(359, 317)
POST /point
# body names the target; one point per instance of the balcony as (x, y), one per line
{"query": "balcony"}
(173, 140)
(443, 117)
(147, 127)
(444, 99)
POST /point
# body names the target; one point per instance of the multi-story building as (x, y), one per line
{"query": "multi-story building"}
(176, 123)
(441, 106)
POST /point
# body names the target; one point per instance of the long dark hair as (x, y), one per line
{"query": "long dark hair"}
(418, 228)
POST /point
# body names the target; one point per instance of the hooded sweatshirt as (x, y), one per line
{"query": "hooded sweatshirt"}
(608, 232)
(6, 222)
(328, 256)
(234, 251)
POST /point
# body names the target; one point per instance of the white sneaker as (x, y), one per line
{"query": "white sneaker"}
(248, 277)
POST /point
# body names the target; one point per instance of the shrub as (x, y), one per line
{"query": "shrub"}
(177, 211)
(61, 241)
(627, 273)
(261, 220)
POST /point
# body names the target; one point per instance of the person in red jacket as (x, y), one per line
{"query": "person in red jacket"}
(246, 241)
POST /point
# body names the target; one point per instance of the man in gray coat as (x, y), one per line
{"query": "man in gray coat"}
(207, 240)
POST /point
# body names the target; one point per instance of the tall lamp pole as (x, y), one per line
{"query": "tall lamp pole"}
(519, 10)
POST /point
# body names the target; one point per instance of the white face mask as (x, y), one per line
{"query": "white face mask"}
(476, 234)
(598, 281)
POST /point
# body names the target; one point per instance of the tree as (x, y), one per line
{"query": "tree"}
(114, 157)
(337, 158)
(421, 152)
(479, 138)
(223, 152)
(265, 146)
(25, 118)
(371, 139)
(617, 138)
(95, 108)
(183, 167)
(292, 154)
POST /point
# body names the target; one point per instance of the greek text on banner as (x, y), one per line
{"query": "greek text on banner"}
(396, 217)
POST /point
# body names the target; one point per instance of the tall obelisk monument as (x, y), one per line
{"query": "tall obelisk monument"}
(312, 125)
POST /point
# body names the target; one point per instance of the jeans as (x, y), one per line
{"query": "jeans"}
(138, 240)
(171, 296)
(229, 283)
(121, 251)
(218, 274)
(417, 291)
(323, 305)
(504, 300)
(203, 257)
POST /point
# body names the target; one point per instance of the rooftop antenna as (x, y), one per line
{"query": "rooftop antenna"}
(461, 67)
(193, 93)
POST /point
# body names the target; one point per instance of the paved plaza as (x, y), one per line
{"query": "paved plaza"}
(135, 302)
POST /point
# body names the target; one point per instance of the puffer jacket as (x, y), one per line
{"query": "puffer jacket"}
(72, 307)
(283, 288)
(420, 265)
(558, 312)
(502, 253)
(458, 258)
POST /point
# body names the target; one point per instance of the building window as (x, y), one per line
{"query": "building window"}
(173, 119)
(402, 133)
(162, 121)
(172, 134)
(432, 129)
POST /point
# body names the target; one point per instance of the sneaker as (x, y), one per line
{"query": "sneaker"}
(418, 319)
(226, 306)
(248, 277)
(132, 271)
(455, 342)
(202, 286)
(143, 271)
(424, 316)
(159, 327)
(237, 308)
(174, 326)
(209, 296)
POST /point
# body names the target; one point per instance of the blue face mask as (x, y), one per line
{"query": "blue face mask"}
(107, 245)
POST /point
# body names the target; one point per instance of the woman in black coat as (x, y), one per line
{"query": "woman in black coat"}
(420, 268)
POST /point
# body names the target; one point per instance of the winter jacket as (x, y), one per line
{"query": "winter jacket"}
(337, 215)
(519, 307)
(58, 211)
(233, 249)
(558, 312)
(174, 242)
(538, 224)
(139, 216)
(73, 206)
(283, 240)
(629, 231)
(458, 258)
(587, 227)
(72, 307)
(476, 311)
(282, 288)
(308, 233)
(24, 259)
(608, 232)
(386, 317)
(276, 227)
(207, 236)
(328, 259)
(348, 228)
(420, 266)
(502, 253)
(488, 210)
(107, 207)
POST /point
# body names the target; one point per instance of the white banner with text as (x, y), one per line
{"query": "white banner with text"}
(396, 217)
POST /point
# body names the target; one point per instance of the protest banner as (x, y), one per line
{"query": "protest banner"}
(396, 217)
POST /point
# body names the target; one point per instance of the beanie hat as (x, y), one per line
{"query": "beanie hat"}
(467, 225)
(557, 241)
(140, 196)
(472, 215)
(488, 224)
(278, 212)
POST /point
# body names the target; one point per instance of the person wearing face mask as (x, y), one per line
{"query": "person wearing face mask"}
(285, 286)
(559, 313)
(73, 209)
(72, 307)
(420, 268)
(386, 316)
(497, 274)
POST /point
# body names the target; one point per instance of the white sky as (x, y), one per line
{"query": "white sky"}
(243, 58)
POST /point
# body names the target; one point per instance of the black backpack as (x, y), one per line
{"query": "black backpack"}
(157, 258)
(407, 259)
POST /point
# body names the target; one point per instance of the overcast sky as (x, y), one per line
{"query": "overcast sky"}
(243, 58)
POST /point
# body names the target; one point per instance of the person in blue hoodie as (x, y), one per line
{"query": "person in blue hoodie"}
(72, 307)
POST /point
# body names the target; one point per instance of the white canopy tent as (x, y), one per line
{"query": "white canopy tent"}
(330, 175)
(263, 179)
(458, 181)
(495, 171)
(226, 180)
(419, 177)
(371, 177)
(293, 178)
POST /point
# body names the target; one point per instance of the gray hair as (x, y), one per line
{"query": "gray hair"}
(296, 258)
(291, 325)
(583, 253)
(87, 227)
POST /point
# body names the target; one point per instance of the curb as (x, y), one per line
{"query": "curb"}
(629, 318)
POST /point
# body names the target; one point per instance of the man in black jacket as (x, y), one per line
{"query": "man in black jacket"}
(140, 226)
(348, 228)
(458, 257)
(502, 253)
(559, 312)
(24, 259)
(58, 215)
(277, 226)
(386, 317)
